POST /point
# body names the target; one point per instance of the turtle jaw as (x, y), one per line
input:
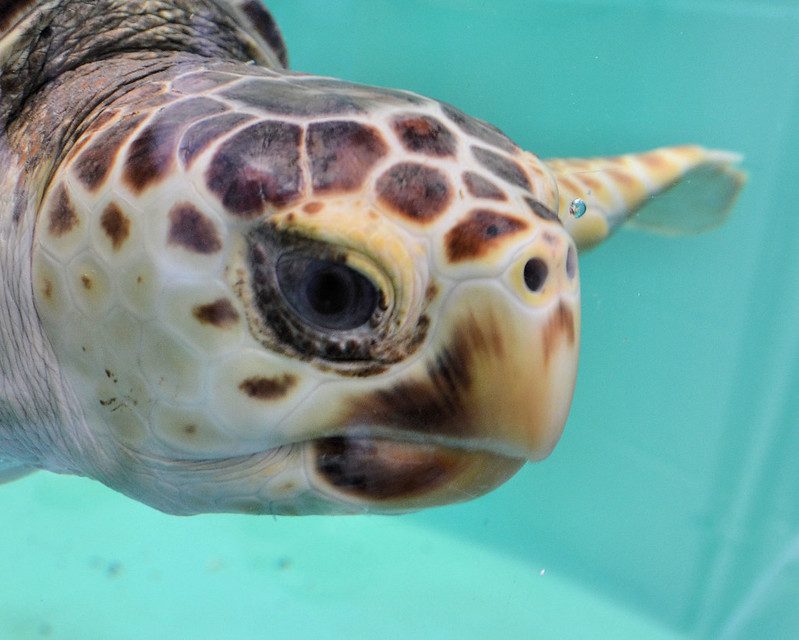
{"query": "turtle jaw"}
(393, 476)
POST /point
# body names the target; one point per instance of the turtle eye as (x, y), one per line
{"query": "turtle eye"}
(326, 294)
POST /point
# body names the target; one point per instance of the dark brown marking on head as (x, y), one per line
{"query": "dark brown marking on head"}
(479, 233)
(62, 217)
(480, 129)
(559, 327)
(151, 154)
(116, 225)
(48, 288)
(541, 210)
(378, 469)
(258, 167)
(260, 388)
(201, 135)
(481, 187)
(190, 429)
(502, 167)
(415, 191)
(219, 313)
(200, 81)
(86, 281)
(267, 28)
(291, 99)
(423, 134)
(191, 230)
(341, 154)
(437, 403)
(313, 207)
(94, 163)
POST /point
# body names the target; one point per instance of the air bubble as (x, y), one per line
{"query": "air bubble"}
(578, 208)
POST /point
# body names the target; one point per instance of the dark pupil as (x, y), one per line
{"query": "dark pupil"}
(326, 294)
(329, 293)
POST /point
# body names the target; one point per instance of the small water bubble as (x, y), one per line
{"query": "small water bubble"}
(578, 208)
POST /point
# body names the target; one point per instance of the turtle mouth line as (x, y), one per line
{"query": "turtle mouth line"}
(378, 469)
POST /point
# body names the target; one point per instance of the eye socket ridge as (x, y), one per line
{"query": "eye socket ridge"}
(326, 294)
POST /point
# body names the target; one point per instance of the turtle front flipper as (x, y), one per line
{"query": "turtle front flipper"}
(672, 190)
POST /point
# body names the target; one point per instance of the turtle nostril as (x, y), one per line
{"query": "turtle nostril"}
(535, 274)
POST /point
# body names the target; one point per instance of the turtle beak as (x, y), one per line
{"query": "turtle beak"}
(494, 392)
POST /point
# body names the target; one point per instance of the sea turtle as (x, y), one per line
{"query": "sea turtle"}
(230, 287)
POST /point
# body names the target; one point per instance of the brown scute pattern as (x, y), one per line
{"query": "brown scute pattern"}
(202, 134)
(257, 167)
(260, 388)
(481, 187)
(220, 313)
(200, 81)
(190, 229)
(541, 210)
(265, 25)
(94, 163)
(151, 154)
(502, 167)
(414, 190)
(481, 231)
(480, 129)
(341, 154)
(423, 134)
(291, 99)
(62, 217)
(116, 225)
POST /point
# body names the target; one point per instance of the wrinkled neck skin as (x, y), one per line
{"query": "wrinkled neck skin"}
(62, 62)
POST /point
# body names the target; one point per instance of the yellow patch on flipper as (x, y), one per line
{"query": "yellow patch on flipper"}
(674, 190)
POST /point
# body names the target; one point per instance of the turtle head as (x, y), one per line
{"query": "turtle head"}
(278, 293)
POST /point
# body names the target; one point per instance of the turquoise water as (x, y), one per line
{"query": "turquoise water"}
(671, 507)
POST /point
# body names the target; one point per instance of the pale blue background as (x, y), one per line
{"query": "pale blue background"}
(670, 508)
